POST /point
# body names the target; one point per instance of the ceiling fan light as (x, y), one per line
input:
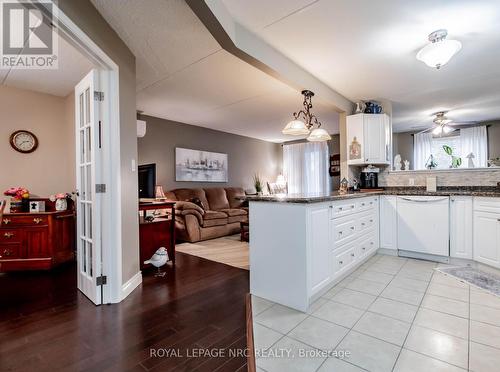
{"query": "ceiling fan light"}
(318, 135)
(296, 128)
(447, 129)
(438, 130)
(439, 51)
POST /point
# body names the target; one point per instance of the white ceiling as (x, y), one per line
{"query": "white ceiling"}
(72, 67)
(184, 75)
(366, 50)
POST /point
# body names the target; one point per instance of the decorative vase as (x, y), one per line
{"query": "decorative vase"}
(61, 205)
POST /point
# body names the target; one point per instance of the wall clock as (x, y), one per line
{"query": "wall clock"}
(23, 141)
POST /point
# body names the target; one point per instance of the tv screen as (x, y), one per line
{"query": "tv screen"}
(147, 180)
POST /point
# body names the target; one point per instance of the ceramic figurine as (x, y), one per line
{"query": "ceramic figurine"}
(360, 107)
(407, 164)
(471, 161)
(344, 186)
(431, 163)
(397, 162)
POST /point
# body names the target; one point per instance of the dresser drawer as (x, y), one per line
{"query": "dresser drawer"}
(36, 220)
(10, 236)
(10, 251)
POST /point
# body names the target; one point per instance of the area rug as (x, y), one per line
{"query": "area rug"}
(228, 250)
(488, 281)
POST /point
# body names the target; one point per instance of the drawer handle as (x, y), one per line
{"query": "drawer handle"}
(352, 206)
(8, 235)
(341, 262)
(363, 224)
(352, 254)
(371, 243)
(37, 220)
(6, 221)
(340, 208)
(371, 220)
(352, 227)
(362, 204)
(340, 232)
(363, 248)
(7, 252)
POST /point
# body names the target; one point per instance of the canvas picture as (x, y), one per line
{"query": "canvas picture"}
(200, 166)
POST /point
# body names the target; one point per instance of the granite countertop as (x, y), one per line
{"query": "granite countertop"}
(419, 191)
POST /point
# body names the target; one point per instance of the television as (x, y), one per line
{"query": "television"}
(147, 180)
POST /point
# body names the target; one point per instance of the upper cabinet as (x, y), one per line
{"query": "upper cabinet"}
(368, 139)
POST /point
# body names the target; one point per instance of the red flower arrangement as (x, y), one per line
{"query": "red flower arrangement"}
(17, 193)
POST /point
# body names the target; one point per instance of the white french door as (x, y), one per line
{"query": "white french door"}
(88, 176)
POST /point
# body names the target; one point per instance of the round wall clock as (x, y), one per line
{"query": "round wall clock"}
(23, 141)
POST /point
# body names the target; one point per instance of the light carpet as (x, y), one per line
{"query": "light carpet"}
(228, 250)
(481, 279)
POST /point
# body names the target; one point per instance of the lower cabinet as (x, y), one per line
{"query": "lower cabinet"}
(487, 238)
(321, 271)
(461, 227)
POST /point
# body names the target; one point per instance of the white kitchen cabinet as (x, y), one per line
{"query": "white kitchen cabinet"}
(461, 227)
(388, 222)
(487, 231)
(368, 139)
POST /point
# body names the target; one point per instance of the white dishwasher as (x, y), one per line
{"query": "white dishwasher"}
(423, 226)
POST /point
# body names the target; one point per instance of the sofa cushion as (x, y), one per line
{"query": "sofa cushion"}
(217, 198)
(234, 212)
(215, 222)
(212, 215)
(232, 194)
(189, 194)
(234, 219)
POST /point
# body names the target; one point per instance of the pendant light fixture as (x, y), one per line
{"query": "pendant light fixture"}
(304, 121)
(440, 50)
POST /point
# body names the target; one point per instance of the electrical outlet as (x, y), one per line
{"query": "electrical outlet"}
(411, 182)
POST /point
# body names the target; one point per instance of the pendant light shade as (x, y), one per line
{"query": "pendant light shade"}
(296, 128)
(319, 134)
(439, 51)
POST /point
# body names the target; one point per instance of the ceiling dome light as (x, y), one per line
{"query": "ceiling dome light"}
(318, 135)
(296, 128)
(440, 50)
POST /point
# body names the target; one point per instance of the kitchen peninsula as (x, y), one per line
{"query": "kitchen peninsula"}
(302, 245)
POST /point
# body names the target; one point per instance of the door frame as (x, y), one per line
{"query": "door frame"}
(111, 228)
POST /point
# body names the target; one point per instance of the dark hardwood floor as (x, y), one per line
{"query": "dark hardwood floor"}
(46, 325)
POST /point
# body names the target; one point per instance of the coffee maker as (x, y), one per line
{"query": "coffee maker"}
(369, 177)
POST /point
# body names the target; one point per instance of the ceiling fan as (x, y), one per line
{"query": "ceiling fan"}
(443, 124)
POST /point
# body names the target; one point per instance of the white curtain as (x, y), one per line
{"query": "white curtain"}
(305, 166)
(474, 140)
(422, 149)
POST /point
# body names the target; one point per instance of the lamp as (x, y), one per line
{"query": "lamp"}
(440, 50)
(298, 127)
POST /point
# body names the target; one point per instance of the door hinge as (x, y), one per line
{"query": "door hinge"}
(101, 280)
(98, 96)
(100, 188)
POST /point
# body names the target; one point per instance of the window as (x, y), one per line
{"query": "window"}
(442, 159)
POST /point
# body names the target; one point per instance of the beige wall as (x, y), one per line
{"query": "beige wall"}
(246, 156)
(51, 168)
(90, 21)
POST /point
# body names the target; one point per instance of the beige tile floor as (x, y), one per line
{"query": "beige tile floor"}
(392, 314)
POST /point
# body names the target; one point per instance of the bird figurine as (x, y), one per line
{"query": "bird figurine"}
(159, 259)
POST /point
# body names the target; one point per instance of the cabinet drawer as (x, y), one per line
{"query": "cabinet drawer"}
(10, 251)
(366, 204)
(10, 236)
(484, 204)
(366, 222)
(24, 220)
(343, 230)
(342, 261)
(343, 208)
(366, 244)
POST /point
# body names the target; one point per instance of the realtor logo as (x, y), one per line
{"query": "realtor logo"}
(28, 35)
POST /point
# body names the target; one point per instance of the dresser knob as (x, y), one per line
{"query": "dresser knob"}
(37, 220)
(6, 221)
(8, 235)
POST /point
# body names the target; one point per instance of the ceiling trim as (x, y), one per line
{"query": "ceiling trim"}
(245, 45)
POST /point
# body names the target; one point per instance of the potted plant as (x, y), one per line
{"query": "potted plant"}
(455, 160)
(19, 201)
(257, 182)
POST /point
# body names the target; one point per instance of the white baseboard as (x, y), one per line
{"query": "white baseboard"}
(130, 285)
(388, 252)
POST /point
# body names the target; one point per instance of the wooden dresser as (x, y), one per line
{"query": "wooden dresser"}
(36, 241)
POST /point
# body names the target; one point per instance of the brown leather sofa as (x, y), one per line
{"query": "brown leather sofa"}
(209, 213)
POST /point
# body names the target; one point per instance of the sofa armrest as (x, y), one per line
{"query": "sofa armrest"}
(189, 212)
(185, 205)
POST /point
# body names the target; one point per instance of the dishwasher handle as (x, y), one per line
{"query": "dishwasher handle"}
(424, 200)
